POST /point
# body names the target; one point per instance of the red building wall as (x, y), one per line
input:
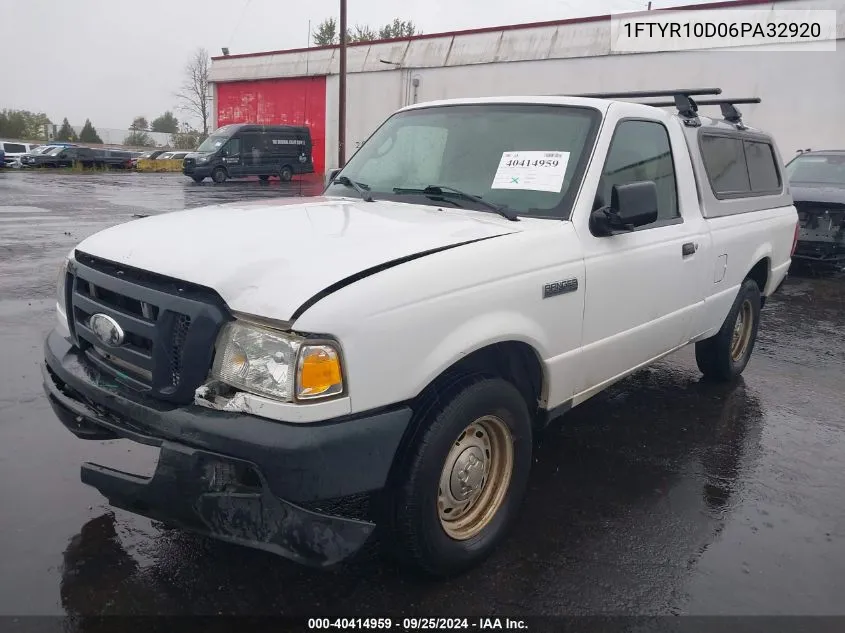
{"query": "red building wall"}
(294, 101)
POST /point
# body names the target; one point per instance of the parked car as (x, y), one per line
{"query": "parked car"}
(81, 156)
(817, 182)
(2, 158)
(173, 155)
(116, 158)
(28, 160)
(13, 151)
(238, 151)
(150, 155)
(478, 268)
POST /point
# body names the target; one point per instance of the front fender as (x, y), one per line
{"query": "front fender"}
(402, 327)
(477, 333)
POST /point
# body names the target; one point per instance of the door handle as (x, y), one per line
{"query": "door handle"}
(689, 249)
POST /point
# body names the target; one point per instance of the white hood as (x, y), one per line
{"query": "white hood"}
(267, 258)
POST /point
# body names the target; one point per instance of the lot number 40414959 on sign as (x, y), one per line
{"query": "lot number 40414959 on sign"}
(534, 171)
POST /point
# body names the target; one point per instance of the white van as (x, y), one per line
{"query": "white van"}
(14, 151)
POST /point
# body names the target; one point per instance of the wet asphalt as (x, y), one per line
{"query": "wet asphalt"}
(663, 495)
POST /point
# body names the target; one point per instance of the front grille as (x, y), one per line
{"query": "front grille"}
(169, 326)
(180, 334)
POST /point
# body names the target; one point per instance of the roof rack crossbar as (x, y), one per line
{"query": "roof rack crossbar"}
(639, 94)
(682, 99)
(701, 102)
(730, 113)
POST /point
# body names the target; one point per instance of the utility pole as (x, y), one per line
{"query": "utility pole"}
(341, 101)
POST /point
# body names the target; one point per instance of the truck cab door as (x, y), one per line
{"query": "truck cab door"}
(643, 286)
(232, 158)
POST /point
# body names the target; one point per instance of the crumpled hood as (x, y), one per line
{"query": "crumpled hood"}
(825, 194)
(268, 257)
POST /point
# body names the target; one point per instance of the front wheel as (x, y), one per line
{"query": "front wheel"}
(463, 480)
(219, 175)
(286, 174)
(724, 356)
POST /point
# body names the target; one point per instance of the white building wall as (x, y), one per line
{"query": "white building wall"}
(802, 92)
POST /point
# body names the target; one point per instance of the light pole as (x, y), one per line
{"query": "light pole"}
(341, 101)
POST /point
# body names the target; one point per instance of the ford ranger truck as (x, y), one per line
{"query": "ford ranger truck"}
(382, 355)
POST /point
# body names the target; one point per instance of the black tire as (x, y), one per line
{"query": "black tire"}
(198, 178)
(419, 536)
(264, 178)
(286, 174)
(219, 175)
(723, 357)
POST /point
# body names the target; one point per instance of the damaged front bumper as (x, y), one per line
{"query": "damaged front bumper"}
(283, 488)
(821, 238)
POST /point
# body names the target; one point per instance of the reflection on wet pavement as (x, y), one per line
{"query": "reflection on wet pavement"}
(665, 494)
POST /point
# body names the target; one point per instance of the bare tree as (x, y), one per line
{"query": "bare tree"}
(194, 95)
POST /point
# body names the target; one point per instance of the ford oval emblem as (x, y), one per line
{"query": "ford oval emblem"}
(106, 329)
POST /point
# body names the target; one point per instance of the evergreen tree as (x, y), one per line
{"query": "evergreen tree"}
(66, 133)
(89, 133)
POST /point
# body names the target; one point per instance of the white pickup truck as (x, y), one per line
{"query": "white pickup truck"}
(384, 354)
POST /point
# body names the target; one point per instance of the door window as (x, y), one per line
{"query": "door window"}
(640, 151)
(233, 147)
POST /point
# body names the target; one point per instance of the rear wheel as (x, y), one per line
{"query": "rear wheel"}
(219, 175)
(286, 174)
(724, 356)
(463, 480)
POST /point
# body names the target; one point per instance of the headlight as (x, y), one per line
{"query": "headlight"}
(276, 364)
(202, 159)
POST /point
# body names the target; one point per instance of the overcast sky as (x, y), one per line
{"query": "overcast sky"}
(111, 60)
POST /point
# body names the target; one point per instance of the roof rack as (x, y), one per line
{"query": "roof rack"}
(686, 106)
(640, 94)
(728, 107)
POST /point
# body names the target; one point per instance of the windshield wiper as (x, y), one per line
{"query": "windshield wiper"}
(444, 191)
(348, 182)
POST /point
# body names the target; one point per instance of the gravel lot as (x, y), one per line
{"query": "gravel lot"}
(662, 495)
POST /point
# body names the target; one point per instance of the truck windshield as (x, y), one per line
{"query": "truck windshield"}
(212, 143)
(817, 168)
(527, 158)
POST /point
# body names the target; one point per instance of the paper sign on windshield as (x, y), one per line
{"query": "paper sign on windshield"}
(535, 171)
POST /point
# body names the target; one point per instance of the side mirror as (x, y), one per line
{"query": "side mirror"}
(631, 205)
(331, 175)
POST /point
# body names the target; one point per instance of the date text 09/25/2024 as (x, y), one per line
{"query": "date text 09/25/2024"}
(417, 624)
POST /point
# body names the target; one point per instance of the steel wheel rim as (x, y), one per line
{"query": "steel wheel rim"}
(475, 477)
(742, 331)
